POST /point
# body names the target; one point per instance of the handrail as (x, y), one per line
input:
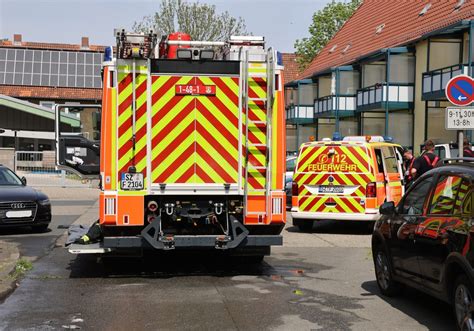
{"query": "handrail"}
(327, 97)
(379, 85)
(442, 70)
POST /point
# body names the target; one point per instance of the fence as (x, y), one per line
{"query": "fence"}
(39, 169)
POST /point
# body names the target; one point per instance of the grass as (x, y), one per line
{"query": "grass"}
(21, 268)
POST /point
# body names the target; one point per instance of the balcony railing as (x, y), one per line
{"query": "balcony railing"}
(300, 114)
(329, 105)
(434, 82)
(397, 96)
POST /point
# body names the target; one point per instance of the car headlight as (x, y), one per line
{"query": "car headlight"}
(44, 202)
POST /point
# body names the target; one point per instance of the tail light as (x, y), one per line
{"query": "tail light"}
(294, 189)
(371, 190)
(152, 206)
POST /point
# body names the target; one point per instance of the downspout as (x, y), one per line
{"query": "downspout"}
(298, 110)
(387, 89)
(337, 103)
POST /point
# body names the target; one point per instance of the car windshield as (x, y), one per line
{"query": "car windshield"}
(8, 178)
(290, 164)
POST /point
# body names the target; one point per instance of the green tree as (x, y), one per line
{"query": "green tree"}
(326, 22)
(199, 20)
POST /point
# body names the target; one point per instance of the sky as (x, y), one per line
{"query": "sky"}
(66, 21)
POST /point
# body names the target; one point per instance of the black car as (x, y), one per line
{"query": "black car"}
(21, 205)
(425, 242)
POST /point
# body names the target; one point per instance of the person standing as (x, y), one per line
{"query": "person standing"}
(467, 150)
(408, 161)
(426, 161)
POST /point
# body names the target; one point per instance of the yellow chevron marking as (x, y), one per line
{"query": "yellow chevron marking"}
(170, 159)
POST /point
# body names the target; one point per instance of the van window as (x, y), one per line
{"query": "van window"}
(378, 157)
(390, 159)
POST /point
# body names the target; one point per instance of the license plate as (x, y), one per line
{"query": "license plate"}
(132, 182)
(331, 189)
(18, 213)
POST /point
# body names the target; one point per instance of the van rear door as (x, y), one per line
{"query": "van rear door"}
(393, 179)
(332, 178)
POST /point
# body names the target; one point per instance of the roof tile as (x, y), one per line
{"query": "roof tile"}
(403, 25)
(51, 93)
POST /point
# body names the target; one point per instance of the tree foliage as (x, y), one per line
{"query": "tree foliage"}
(199, 20)
(326, 22)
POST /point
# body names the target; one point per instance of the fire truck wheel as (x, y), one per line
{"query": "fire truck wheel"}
(463, 303)
(303, 225)
(384, 272)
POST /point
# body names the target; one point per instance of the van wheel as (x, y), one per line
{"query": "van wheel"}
(303, 225)
(384, 273)
(463, 304)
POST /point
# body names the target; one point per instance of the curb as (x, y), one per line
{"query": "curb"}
(9, 255)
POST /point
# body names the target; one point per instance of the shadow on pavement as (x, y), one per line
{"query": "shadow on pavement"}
(167, 265)
(428, 311)
(20, 231)
(337, 227)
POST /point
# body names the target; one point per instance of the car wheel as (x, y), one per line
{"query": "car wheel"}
(303, 225)
(463, 303)
(40, 228)
(383, 273)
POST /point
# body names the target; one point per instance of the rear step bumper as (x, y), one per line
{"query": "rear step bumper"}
(111, 244)
(334, 216)
(151, 238)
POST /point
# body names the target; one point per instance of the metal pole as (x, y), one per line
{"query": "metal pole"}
(15, 146)
(387, 94)
(297, 111)
(461, 142)
(337, 101)
(469, 64)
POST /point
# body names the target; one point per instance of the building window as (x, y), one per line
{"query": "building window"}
(47, 104)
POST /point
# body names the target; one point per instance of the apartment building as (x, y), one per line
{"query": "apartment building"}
(384, 73)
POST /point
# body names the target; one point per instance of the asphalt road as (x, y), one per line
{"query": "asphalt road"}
(34, 245)
(319, 280)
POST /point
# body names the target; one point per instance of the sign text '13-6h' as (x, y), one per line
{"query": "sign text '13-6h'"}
(460, 92)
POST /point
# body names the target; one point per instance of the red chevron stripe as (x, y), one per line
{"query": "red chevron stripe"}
(167, 108)
(217, 146)
(172, 168)
(173, 124)
(216, 123)
(205, 178)
(127, 80)
(163, 89)
(171, 148)
(129, 122)
(214, 165)
(128, 101)
(261, 83)
(234, 98)
(311, 204)
(186, 175)
(125, 104)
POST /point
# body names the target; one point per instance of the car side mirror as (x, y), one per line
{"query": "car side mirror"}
(23, 180)
(387, 208)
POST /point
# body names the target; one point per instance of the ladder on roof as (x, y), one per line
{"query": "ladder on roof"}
(258, 102)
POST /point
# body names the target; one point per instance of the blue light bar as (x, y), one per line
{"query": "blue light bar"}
(108, 53)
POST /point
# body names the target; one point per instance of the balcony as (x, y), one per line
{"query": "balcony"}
(301, 114)
(395, 96)
(435, 81)
(328, 107)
